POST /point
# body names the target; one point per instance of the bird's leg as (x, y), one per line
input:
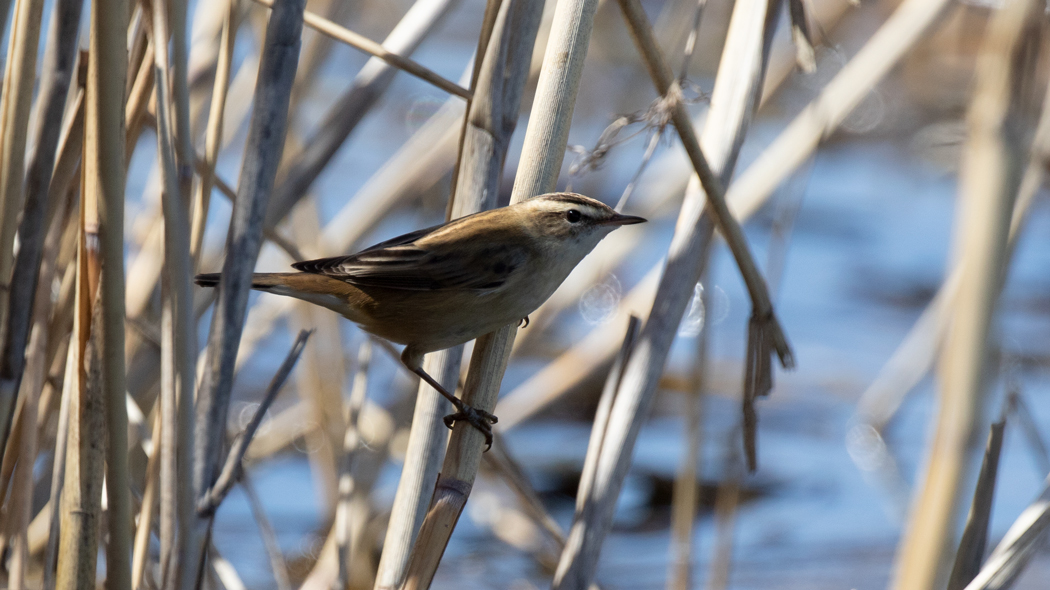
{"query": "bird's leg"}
(479, 419)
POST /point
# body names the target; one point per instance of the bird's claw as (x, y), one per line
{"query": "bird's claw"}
(523, 322)
(479, 419)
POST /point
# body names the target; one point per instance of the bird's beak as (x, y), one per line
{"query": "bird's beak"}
(624, 220)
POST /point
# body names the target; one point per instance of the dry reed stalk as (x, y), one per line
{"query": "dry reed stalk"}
(989, 179)
(975, 535)
(16, 101)
(138, 100)
(213, 134)
(578, 555)
(351, 445)
(70, 387)
(1020, 543)
(685, 495)
(374, 78)
(233, 466)
(501, 69)
(542, 155)
(277, 68)
(104, 175)
(726, 504)
(462, 459)
(901, 31)
(81, 495)
(56, 74)
(178, 326)
(269, 536)
(144, 526)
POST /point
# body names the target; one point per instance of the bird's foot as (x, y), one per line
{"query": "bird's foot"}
(523, 322)
(479, 419)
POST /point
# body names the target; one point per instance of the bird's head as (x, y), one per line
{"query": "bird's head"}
(569, 219)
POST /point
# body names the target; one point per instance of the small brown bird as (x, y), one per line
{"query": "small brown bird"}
(445, 285)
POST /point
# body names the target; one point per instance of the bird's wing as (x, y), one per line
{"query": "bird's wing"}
(481, 261)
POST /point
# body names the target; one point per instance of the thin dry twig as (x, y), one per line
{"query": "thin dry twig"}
(340, 33)
(269, 536)
(234, 464)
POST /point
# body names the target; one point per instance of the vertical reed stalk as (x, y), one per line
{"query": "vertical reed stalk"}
(990, 176)
(178, 332)
(686, 492)
(104, 175)
(213, 135)
(351, 444)
(15, 103)
(56, 73)
(84, 457)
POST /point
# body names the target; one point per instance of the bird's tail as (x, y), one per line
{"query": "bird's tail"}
(315, 288)
(260, 281)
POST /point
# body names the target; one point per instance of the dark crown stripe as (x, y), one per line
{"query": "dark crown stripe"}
(575, 199)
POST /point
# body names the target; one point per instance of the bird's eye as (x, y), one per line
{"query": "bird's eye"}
(572, 215)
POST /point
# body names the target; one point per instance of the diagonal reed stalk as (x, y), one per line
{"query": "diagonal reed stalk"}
(990, 178)
(265, 143)
(765, 335)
